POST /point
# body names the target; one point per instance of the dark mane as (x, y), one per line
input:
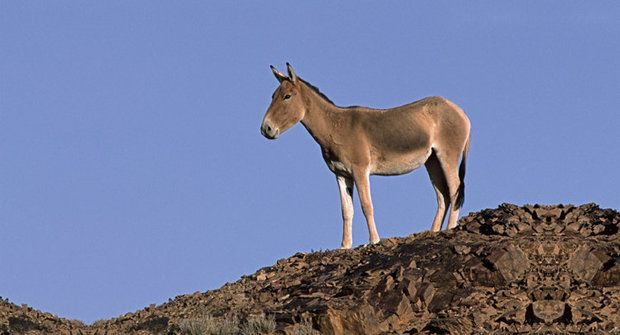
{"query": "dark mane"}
(316, 89)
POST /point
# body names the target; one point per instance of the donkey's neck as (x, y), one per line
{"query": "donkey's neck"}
(321, 117)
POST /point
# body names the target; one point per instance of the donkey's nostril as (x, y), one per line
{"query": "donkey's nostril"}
(268, 131)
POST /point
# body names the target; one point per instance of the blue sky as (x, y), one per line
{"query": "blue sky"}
(132, 168)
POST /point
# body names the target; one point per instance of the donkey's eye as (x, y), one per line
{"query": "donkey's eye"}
(286, 97)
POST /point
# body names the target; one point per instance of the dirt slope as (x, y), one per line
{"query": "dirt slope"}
(545, 269)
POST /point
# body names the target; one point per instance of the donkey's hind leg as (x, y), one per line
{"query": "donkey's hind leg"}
(449, 164)
(438, 180)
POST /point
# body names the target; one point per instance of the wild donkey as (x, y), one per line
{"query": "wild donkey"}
(357, 142)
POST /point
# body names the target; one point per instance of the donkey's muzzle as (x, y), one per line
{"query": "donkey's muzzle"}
(268, 130)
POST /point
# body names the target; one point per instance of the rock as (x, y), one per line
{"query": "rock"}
(549, 310)
(462, 249)
(511, 262)
(543, 269)
(426, 292)
(360, 320)
(584, 264)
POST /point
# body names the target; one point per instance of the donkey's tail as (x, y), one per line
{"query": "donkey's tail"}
(460, 193)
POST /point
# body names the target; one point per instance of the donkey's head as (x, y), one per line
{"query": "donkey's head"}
(286, 107)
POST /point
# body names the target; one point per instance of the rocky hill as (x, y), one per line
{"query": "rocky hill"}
(530, 269)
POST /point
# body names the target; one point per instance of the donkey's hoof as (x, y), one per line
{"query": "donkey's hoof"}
(371, 243)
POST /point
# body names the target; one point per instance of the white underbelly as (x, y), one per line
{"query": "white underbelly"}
(401, 165)
(337, 167)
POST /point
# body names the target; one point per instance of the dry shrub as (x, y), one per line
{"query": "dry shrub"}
(304, 328)
(229, 325)
(258, 325)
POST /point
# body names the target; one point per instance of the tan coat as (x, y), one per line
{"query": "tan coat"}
(357, 142)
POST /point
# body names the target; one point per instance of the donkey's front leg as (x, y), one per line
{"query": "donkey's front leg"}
(363, 189)
(345, 184)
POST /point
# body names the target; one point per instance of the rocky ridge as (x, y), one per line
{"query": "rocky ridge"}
(530, 269)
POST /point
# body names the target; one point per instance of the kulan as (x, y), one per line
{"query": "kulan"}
(357, 142)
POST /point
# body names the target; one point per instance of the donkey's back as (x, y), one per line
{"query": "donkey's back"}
(401, 139)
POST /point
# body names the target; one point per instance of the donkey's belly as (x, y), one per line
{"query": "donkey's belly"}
(401, 164)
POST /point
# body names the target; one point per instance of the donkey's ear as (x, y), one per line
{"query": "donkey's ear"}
(291, 73)
(279, 75)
